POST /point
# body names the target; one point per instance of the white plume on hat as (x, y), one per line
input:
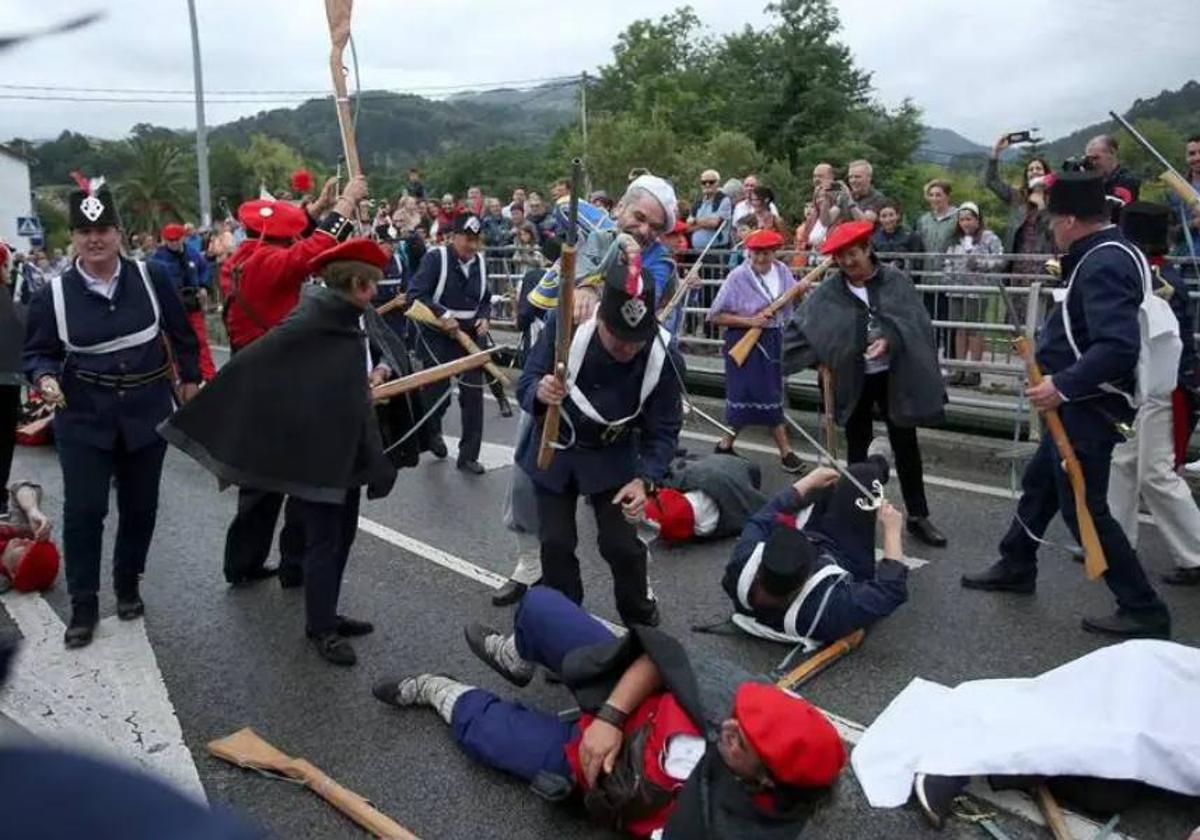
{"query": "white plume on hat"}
(662, 191)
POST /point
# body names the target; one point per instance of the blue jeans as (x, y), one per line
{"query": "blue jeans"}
(1046, 491)
(510, 736)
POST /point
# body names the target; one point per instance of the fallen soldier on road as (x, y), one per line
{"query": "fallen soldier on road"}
(804, 570)
(638, 756)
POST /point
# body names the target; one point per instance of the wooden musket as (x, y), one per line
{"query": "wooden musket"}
(741, 351)
(565, 321)
(430, 375)
(422, 314)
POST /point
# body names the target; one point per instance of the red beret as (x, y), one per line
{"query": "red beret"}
(173, 231)
(356, 250)
(764, 240)
(673, 513)
(847, 234)
(276, 219)
(680, 227)
(794, 740)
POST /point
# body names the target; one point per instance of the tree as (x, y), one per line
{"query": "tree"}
(155, 186)
(271, 162)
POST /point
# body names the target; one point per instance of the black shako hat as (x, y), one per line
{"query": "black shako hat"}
(1145, 224)
(627, 303)
(467, 223)
(1078, 194)
(788, 558)
(92, 204)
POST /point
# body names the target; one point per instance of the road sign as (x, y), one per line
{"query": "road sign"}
(29, 226)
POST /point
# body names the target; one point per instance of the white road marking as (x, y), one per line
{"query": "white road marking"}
(850, 731)
(108, 698)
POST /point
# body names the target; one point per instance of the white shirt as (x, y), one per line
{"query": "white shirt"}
(705, 513)
(743, 209)
(770, 281)
(104, 288)
(683, 753)
(873, 365)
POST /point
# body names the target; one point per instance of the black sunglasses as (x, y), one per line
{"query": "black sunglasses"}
(707, 182)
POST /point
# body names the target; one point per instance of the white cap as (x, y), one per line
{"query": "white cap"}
(662, 191)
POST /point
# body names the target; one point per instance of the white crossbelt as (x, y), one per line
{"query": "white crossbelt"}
(460, 314)
(123, 342)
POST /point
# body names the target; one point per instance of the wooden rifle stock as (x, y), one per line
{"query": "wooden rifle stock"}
(422, 314)
(1094, 563)
(566, 315)
(821, 660)
(431, 374)
(741, 351)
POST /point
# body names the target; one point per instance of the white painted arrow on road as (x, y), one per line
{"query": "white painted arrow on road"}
(108, 698)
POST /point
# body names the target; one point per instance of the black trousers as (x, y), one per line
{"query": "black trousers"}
(1046, 491)
(905, 449)
(435, 349)
(619, 546)
(10, 413)
(248, 540)
(329, 531)
(88, 473)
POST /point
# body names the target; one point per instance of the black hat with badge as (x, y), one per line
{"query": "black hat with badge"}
(627, 304)
(788, 559)
(1078, 193)
(1146, 225)
(92, 204)
(467, 223)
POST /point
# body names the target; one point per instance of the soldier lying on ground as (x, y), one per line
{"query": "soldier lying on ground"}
(638, 755)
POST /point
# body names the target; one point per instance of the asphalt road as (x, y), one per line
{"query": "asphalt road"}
(234, 658)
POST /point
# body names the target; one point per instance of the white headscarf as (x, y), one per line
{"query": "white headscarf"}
(662, 191)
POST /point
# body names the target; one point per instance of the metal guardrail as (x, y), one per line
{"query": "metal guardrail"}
(1031, 292)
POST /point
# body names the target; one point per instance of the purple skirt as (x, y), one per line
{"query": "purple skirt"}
(754, 391)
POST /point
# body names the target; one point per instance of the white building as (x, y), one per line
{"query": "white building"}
(16, 199)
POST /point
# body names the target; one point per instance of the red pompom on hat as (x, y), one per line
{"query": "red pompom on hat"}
(680, 227)
(798, 745)
(302, 181)
(673, 513)
(847, 234)
(274, 219)
(173, 232)
(355, 250)
(764, 240)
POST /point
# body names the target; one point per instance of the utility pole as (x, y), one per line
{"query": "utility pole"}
(583, 81)
(201, 131)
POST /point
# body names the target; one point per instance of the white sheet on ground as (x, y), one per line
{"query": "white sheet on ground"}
(1128, 711)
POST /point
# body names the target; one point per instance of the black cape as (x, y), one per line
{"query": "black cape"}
(292, 413)
(830, 328)
(714, 804)
(12, 336)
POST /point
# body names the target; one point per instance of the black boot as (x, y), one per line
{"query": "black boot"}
(1127, 624)
(334, 649)
(347, 627)
(129, 601)
(253, 576)
(437, 446)
(921, 528)
(85, 613)
(1002, 577)
(509, 593)
(501, 398)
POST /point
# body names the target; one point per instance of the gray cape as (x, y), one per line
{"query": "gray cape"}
(830, 328)
(731, 481)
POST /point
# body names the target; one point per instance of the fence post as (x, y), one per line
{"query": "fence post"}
(1032, 318)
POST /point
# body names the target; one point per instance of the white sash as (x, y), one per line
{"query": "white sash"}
(124, 342)
(579, 344)
(460, 314)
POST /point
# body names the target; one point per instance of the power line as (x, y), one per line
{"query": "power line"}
(289, 91)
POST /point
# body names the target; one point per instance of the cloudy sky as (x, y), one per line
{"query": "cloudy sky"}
(977, 68)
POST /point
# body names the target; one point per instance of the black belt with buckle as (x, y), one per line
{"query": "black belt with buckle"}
(607, 436)
(123, 381)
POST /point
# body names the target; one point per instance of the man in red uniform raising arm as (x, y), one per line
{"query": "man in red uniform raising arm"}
(261, 285)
